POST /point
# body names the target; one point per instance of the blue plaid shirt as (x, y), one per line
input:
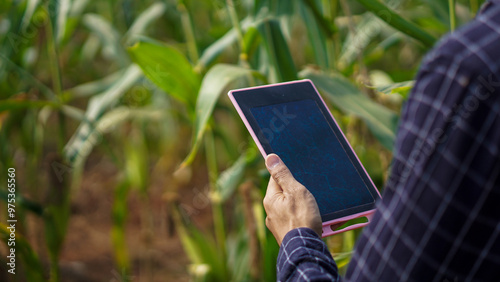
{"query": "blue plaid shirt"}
(439, 217)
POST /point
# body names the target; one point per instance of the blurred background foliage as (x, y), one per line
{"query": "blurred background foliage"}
(142, 84)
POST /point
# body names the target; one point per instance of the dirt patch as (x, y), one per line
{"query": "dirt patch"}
(154, 249)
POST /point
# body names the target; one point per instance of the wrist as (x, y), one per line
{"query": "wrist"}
(301, 231)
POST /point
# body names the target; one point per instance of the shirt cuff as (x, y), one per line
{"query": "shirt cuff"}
(303, 256)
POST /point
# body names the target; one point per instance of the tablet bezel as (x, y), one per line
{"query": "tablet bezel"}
(247, 98)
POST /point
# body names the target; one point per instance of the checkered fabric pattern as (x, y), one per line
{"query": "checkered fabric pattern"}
(304, 256)
(439, 217)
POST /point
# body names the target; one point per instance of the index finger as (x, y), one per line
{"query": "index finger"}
(273, 189)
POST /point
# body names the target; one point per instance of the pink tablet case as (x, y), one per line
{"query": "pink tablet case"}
(327, 225)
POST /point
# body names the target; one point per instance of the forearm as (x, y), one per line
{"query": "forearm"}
(304, 256)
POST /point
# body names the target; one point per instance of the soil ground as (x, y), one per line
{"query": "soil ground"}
(154, 249)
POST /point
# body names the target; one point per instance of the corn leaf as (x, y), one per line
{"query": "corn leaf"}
(62, 16)
(26, 253)
(251, 41)
(109, 37)
(381, 121)
(213, 85)
(342, 259)
(6, 63)
(401, 88)
(94, 87)
(136, 162)
(215, 49)
(151, 14)
(315, 35)
(119, 216)
(328, 26)
(270, 250)
(28, 13)
(77, 7)
(283, 67)
(24, 203)
(92, 132)
(58, 12)
(398, 22)
(14, 104)
(230, 178)
(366, 30)
(167, 68)
(238, 254)
(200, 248)
(86, 136)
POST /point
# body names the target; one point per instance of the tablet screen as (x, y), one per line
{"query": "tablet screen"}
(300, 134)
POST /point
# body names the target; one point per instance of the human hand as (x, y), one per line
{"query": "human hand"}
(288, 203)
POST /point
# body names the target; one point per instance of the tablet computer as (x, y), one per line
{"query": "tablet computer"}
(292, 120)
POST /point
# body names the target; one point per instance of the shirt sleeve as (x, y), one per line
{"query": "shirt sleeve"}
(438, 219)
(303, 256)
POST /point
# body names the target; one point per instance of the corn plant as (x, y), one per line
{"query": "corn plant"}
(263, 38)
(132, 97)
(60, 20)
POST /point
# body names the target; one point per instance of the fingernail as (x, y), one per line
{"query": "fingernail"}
(272, 161)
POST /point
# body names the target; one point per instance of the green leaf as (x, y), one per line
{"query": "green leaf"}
(238, 254)
(401, 88)
(109, 37)
(251, 41)
(58, 11)
(86, 136)
(136, 162)
(28, 13)
(119, 216)
(453, 15)
(13, 104)
(230, 178)
(278, 51)
(62, 17)
(167, 68)
(381, 121)
(368, 28)
(91, 134)
(342, 259)
(213, 85)
(200, 248)
(94, 87)
(24, 203)
(154, 12)
(398, 22)
(26, 253)
(317, 37)
(26, 76)
(77, 8)
(215, 49)
(327, 25)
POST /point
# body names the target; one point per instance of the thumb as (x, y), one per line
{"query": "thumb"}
(279, 172)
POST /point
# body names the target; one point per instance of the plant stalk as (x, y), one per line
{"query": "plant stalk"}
(189, 32)
(236, 24)
(218, 216)
(474, 7)
(453, 16)
(56, 82)
(332, 41)
(59, 213)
